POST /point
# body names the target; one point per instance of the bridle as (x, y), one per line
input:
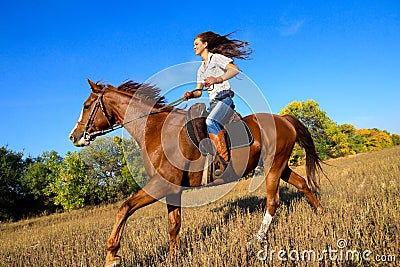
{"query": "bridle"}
(99, 104)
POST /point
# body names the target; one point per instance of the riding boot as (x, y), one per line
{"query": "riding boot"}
(220, 145)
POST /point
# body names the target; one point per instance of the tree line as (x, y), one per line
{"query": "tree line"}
(102, 172)
(333, 140)
(97, 174)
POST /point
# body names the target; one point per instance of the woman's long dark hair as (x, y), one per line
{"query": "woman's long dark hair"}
(221, 44)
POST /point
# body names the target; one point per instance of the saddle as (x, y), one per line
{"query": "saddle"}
(237, 133)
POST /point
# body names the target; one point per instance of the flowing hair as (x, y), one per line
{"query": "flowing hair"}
(221, 44)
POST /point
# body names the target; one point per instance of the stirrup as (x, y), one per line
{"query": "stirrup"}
(218, 173)
(222, 167)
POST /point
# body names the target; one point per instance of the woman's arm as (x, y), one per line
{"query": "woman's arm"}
(231, 71)
(197, 92)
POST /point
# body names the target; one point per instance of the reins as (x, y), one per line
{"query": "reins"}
(99, 103)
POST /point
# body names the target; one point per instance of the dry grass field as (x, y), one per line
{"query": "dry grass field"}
(360, 226)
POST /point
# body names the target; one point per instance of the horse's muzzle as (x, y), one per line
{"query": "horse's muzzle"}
(79, 141)
(72, 139)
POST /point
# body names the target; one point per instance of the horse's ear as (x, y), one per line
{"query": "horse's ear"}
(95, 88)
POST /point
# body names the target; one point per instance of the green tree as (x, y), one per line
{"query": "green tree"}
(337, 140)
(309, 113)
(395, 139)
(36, 179)
(316, 120)
(11, 188)
(102, 159)
(70, 182)
(354, 141)
(133, 173)
(108, 173)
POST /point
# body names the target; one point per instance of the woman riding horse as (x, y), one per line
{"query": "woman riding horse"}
(217, 68)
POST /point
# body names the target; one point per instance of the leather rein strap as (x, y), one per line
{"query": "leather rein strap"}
(112, 127)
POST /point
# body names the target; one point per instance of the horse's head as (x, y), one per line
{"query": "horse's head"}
(96, 117)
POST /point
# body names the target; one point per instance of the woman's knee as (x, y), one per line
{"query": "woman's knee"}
(213, 126)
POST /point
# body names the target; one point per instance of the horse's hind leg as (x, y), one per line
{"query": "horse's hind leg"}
(300, 183)
(272, 182)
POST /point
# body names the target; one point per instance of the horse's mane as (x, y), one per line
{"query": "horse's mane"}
(143, 90)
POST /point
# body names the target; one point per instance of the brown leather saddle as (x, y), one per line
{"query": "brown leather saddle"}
(237, 133)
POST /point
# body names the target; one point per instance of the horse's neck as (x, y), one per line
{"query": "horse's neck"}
(133, 112)
(133, 115)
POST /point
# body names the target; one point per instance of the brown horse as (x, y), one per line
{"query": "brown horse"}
(173, 163)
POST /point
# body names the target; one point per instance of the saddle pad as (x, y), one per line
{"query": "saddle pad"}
(238, 135)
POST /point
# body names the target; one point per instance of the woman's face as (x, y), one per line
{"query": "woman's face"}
(199, 46)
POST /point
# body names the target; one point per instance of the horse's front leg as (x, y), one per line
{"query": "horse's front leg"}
(154, 190)
(135, 202)
(174, 223)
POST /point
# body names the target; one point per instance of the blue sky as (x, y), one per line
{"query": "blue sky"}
(343, 54)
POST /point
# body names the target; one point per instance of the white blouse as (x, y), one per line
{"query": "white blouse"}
(215, 66)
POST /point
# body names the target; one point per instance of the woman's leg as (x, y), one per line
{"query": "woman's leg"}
(218, 117)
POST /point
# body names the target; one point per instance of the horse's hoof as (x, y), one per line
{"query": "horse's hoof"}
(115, 263)
(257, 239)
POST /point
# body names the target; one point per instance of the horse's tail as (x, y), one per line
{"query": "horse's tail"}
(305, 141)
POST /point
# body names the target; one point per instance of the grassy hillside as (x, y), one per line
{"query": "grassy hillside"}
(360, 226)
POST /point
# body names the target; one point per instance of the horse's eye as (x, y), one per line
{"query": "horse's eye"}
(86, 106)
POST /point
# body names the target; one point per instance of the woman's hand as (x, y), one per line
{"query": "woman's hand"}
(212, 80)
(187, 95)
